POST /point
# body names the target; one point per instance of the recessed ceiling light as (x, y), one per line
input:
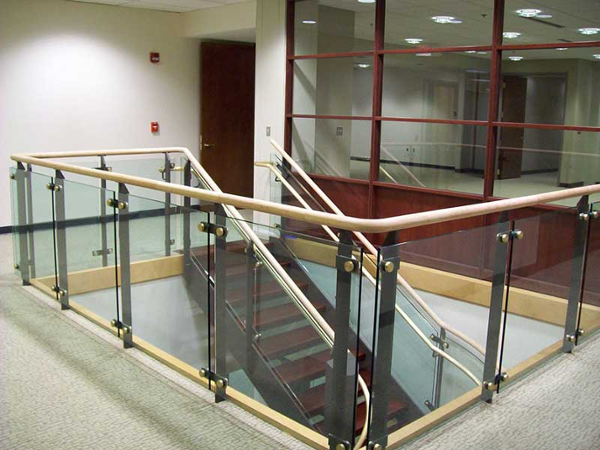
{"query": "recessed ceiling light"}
(597, 56)
(515, 58)
(471, 51)
(363, 65)
(423, 54)
(589, 31)
(414, 40)
(445, 19)
(511, 34)
(562, 49)
(528, 12)
(309, 22)
(544, 16)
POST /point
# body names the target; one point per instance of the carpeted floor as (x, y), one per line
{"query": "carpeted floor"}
(64, 387)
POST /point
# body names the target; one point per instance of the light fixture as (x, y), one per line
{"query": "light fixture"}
(471, 51)
(528, 12)
(511, 34)
(363, 65)
(589, 31)
(544, 16)
(597, 56)
(562, 49)
(515, 58)
(482, 53)
(413, 40)
(445, 19)
(309, 22)
(423, 54)
(366, 1)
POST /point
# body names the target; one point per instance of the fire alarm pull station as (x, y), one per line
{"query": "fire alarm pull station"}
(154, 58)
(154, 128)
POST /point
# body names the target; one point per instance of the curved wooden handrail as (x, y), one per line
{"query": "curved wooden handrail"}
(292, 212)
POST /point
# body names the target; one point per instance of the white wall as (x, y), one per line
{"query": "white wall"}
(270, 91)
(77, 76)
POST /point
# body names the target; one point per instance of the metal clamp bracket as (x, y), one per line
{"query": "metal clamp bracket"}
(108, 251)
(346, 264)
(438, 340)
(493, 385)
(125, 329)
(212, 228)
(335, 443)
(58, 290)
(507, 236)
(220, 382)
(53, 187)
(390, 265)
(116, 204)
(374, 445)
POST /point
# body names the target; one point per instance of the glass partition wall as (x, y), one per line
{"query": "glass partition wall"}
(471, 100)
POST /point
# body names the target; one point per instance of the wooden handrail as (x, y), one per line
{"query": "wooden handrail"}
(293, 212)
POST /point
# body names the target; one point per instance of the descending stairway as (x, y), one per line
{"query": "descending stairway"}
(288, 359)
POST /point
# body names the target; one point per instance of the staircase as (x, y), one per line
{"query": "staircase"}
(287, 361)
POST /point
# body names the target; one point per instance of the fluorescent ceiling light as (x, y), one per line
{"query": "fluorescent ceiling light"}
(511, 34)
(544, 16)
(445, 19)
(482, 53)
(309, 22)
(528, 12)
(515, 58)
(562, 49)
(414, 40)
(471, 51)
(589, 31)
(366, 1)
(363, 65)
(597, 56)
(423, 54)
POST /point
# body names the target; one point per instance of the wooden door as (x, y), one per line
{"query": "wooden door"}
(227, 115)
(510, 155)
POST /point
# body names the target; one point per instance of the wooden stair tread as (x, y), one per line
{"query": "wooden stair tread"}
(280, 314)
(289, 342)
(237, 297)
(310, 367)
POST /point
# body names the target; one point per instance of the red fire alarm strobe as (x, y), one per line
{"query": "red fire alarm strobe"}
(154, 58)
(154, 128)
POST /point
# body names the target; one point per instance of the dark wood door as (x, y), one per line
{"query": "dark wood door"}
(227, 115)
(510, 156)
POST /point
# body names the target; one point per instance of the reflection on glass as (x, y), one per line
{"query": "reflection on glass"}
(589, 319)
(436, 156)
(553, 86)
(333, 86)
(327, 26)
(438, 24)
(532, 161)
(333, 147)
(540, 21)
(452, 86)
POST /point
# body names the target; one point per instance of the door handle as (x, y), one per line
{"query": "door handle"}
(208, 145)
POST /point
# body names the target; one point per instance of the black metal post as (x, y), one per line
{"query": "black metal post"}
(126, 331)
(61, 240)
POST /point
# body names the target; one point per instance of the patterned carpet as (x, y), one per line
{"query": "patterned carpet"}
(64, 387)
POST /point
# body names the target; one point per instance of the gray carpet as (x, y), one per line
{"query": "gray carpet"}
(63, 387)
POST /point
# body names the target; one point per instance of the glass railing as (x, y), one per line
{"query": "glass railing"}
(298, 327)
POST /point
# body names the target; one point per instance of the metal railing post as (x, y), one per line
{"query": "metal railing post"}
(439, 371)
(61, 240)
(167, 178)
(576, 283)
(342, 368)
(21, 228)
(187, 203)
(220, 309)
(388, 266)
(490, 376)
(103, 229)
(125, 324)
(252, 267)
(30, 232)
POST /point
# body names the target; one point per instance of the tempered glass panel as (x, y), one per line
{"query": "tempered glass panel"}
(589, 315)
(278, 352)
(532, 161)
(333, 86)
(18, 232)
(541, 264)
(451, 86)
(90, 232)
(438, 24)
(543, 21)
(431, 155)
(169, 294)
(325, 26)
(557, 87)
(334, 147)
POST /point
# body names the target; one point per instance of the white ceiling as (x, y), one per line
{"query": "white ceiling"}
(164, 5)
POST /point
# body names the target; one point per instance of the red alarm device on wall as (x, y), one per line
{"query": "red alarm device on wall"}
(154, 57)
(154, 128)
